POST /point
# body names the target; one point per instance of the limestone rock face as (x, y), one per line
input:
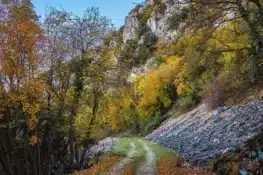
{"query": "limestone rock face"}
(131, 24)
(200, 134)
(158, 23)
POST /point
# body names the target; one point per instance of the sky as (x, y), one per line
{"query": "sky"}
(113, 9)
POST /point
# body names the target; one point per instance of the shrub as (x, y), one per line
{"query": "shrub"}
(142, 29)
(177, 18)
(151, 124)
(143, 18)
(214, 95)
(185, 103)
(150, 40)
(147, 48)
(161, 8)
(126, 56)
(157, 2)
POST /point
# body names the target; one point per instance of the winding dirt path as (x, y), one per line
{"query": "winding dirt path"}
(148, 167)
(119, 167)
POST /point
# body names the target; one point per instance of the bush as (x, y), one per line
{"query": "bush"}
(151, 124)
(143, 18)
(150, 40)
(185, 103)
(147, 48)
(126, 56)
(141, 30)
(161, 8)
(157, 2)
(177, 18)
(214, 95)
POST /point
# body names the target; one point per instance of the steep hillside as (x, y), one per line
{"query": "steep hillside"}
(198, 136)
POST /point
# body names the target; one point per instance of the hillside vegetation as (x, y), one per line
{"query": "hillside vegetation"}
(68, 81)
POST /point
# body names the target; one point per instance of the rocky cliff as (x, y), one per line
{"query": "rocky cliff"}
(131, 24)
(161, 11)
(198, 136)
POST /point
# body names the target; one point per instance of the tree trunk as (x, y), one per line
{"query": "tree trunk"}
(71, 147)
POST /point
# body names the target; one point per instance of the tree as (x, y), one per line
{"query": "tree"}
(21, 89)
(210, 14)
(42, 82)
(82, 35)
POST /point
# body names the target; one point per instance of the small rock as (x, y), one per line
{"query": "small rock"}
(218, 111)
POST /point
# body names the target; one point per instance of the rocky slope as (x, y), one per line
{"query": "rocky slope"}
(199, 135)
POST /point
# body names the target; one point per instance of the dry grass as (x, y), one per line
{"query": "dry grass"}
(170, 166)
(244, 97)
(129, 170)
(103, 166)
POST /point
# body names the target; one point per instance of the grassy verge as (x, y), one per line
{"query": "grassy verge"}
(161, 151)
(121, 147)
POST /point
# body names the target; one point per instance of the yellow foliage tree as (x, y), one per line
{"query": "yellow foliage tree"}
(172, 72)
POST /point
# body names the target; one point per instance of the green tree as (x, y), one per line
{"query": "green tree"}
(211, 14)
